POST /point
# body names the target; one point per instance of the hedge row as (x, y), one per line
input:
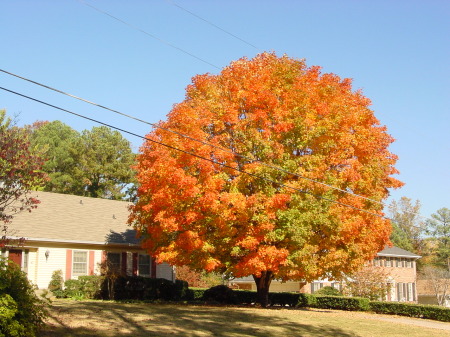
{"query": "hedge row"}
(411, 310)
(123, 288)
(140, 288)
(223, 294)
(342, 303)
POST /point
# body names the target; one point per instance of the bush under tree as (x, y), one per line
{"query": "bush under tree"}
(22, 313)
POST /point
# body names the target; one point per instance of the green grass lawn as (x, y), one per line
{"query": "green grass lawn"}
(96, 318)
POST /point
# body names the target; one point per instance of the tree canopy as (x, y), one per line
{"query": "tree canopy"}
(57, 140)
(408, 225)
(439, 228)
(20, 172)
(268, 223)
(95, 163)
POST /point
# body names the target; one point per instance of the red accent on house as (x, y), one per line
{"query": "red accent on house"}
(153, 272)
(16, 257)
(68, 264)
(135, 264)
(91, 262)
(124, 263)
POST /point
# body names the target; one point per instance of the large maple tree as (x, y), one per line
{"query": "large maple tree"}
(230, 211)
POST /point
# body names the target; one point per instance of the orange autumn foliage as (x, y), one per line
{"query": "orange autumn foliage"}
(278, 111)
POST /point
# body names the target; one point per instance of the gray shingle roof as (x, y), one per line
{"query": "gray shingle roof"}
(399, 252)
(71, 218)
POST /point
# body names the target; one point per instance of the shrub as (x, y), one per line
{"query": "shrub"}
(181, 289)
(411, 310)
(141, 288)
(22, 313)
(306, 300)
(56, 284)
(245, 296)
(90, 286)
(328, 291)
(220, 294)
(72, 289)
(342, 303)
(284, 298)
(195, 294)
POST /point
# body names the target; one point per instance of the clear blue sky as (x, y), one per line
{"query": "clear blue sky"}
(396, 51)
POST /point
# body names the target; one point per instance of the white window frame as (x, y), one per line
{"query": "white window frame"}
(85, 272)
(410, 292)
(400, 295)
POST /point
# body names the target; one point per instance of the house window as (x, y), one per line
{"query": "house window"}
(410, 292)
(25, 260)
(316, 286)
(114, 262)
(376, 261)
(408, 263)
(79, 264)
(144, 265)
(400, 292)
(388, 262)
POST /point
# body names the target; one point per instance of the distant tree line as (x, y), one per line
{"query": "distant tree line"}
(429, 238)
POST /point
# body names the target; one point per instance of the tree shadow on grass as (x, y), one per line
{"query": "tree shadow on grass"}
(117, 319)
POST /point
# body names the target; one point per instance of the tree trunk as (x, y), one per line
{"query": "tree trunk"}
(262, 286)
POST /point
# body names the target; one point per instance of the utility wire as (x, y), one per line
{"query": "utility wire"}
(147, 33)
(196, 140)
(194, 154)
(212, 24)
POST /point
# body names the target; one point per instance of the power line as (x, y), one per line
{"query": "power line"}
(193, 154)
(147, 33)
(212, 24)
(196, 140)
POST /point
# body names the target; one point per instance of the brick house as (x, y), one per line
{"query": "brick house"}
(398, 263)
(75, 234)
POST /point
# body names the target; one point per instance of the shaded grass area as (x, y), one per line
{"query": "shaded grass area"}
(95, 318)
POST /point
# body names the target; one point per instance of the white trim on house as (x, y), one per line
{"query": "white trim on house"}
(395, 255)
